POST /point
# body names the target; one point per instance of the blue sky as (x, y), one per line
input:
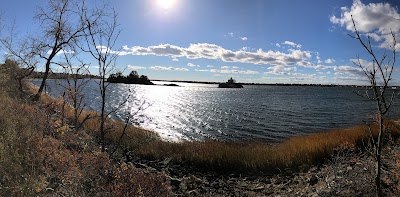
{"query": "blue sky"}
(261, 41)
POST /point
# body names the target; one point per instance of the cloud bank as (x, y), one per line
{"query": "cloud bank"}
(215, 52)
(130, 67)
(163, 68)
(376, 20)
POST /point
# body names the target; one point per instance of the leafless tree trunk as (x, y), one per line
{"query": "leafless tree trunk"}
(101, 38)
(379, 76)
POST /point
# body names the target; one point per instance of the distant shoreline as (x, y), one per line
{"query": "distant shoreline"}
(266, 84)
(38, 75)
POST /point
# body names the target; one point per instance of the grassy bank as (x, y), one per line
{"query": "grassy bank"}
(252, 157)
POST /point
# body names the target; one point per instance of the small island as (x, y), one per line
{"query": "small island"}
(132, 78)
(171, 84)
(230, 84)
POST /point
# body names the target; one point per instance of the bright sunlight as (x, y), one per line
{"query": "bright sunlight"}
(166, 4)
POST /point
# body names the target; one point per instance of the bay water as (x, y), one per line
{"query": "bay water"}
(194, 111)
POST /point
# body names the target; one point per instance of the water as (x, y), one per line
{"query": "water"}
(203, 111)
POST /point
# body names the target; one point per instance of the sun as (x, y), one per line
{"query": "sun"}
(166, 4)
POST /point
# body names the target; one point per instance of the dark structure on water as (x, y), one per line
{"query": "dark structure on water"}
(230, 84)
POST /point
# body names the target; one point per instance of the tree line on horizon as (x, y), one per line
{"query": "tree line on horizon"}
(55, 75)
(132, 78)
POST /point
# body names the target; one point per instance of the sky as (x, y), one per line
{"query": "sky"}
(253, 41)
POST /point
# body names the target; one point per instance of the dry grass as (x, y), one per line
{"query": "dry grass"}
(40, 158)
(255, 157)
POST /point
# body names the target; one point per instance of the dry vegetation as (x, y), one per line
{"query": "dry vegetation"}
(251, 157)
(40, 157)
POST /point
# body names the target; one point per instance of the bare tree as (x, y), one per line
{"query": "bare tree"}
(60, 27)
(129, 101)
(101, 39)
(74, 87)
(379, 75)
(21, 53)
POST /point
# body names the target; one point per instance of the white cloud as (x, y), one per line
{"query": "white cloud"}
(319, 67)
(212, 51)
(375, 36)
(292, 44)
(243, 38)
(348, 70)
(168, 68)
(224, 67)
(374, 19)
(278, 45)
(232, 71)
(235, 67)
(210, 66)
(62, 51)
(374, 16)
(130, 67)
(231, 34)
(245, 49)
(192, 65)
(175, 59)
(329, 61)
(281, 70)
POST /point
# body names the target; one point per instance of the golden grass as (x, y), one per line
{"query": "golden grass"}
(253, 157)
(239, 157)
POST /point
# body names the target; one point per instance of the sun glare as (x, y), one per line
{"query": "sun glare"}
(166, 4)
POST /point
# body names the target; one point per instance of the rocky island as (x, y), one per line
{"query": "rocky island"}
(230, 84)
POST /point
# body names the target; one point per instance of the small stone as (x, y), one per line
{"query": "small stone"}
(193, 193)
(175, 182)
(349, 168)
(243, 184)
(313, 180)
(288, 172)
(304, 167)
(258, 189)
(330, 179)
(313, 169)
(54, 182)
(267, 181)
(165, 162)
